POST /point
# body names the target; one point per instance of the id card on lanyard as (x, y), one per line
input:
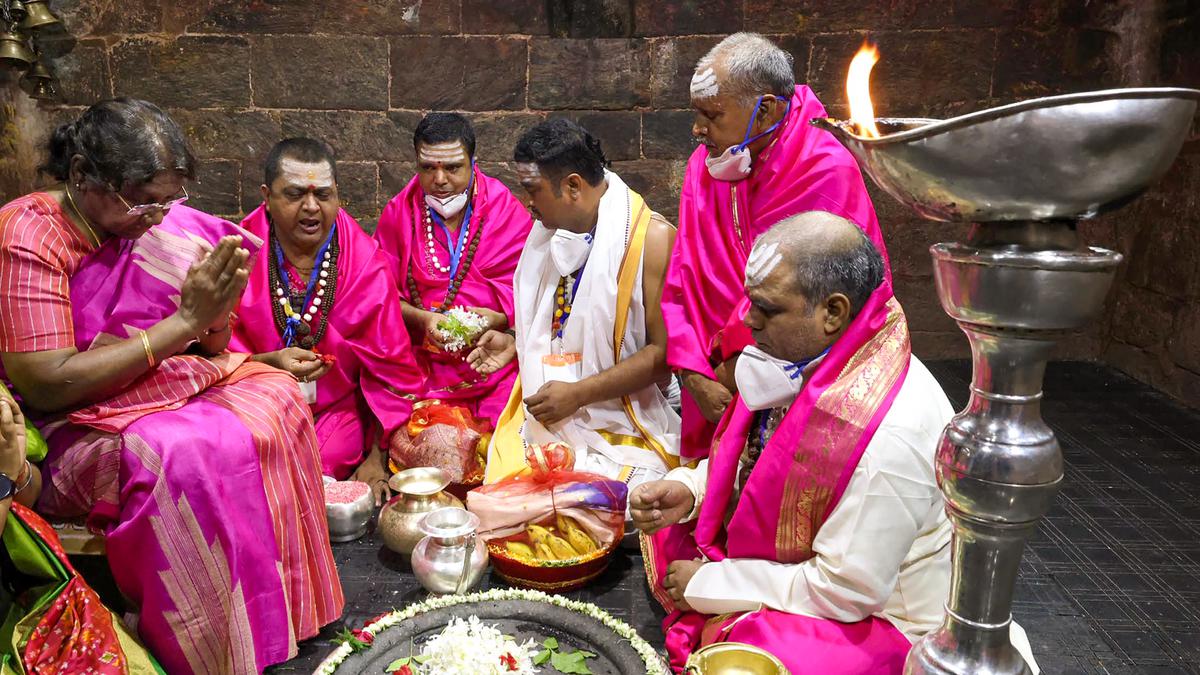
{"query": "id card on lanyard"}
(309, 390)
(562, 367)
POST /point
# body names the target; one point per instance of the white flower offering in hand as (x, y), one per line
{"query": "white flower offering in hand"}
(461, 328)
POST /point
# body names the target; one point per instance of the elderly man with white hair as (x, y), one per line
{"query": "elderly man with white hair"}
(815, 530)
(759, 161)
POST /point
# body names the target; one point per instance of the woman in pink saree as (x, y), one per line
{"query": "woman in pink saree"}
(453, 236)
(345, 342)
(199, 467)
(795, 168)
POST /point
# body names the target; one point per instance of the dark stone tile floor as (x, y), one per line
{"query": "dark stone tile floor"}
(1108, 585)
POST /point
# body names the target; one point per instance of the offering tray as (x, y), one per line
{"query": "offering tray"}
(524, 615)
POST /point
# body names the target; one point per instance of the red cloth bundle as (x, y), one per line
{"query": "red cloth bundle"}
(444, 436)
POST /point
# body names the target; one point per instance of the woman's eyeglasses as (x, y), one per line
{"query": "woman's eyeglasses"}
(143, 209)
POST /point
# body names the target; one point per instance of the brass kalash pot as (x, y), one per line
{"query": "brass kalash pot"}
(1023, 175)
(733, 658)
(419, 492)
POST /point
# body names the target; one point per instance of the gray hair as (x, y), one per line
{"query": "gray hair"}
(828, 254)
(753, 66)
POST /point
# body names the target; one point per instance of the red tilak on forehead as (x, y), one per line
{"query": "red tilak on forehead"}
(312, 188)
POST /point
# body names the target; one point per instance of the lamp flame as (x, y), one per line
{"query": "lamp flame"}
(858, 90)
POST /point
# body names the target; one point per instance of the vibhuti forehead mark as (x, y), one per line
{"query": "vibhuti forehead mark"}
(528, 171)
(704, 84)
(764, 258)
(446, 153)
(314, 174)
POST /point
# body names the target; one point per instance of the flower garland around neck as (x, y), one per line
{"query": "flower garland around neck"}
(295, 327)
(464, 265)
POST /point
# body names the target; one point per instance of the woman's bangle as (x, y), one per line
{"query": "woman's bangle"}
(27, 470)
(149, 352)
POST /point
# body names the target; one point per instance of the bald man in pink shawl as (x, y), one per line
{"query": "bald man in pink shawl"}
(321, 304)
(815, 530)
(453, 237)
(760, 162)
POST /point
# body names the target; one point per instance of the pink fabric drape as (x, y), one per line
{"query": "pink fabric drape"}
(503, 224)
(374, 378)
(804, 169)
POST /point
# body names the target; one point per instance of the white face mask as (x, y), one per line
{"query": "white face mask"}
(765, 382)
(450, 206)
(731, 166)
(569, 251)
(734, 164)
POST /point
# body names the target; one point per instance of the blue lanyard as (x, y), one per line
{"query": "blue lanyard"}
(457, 250)
(289, 329)
(747, 140)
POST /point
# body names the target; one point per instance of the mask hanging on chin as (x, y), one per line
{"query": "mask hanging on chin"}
(569, 251)
(448, 207)
(451, 206)
(735, 163)
(765, 382)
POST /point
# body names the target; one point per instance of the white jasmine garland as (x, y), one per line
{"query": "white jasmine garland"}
(654, 664)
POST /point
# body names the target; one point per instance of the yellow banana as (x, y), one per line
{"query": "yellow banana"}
(561, 548)
(543, 551)
(519, 549)
(580, 541)
(537, 533)
(576, 536)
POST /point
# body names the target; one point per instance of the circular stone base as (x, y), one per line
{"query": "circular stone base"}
(521, 619)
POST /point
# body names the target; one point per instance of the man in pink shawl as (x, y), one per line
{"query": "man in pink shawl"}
(453, 237)
(819, 531)
(759, 162)
(321, 304)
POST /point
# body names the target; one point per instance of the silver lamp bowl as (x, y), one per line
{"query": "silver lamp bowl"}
(348, 521)
(1106, 148)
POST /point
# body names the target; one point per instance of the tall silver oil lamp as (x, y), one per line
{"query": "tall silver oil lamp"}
(1021, 176)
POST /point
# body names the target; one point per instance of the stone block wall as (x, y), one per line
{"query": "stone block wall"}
(240, 74)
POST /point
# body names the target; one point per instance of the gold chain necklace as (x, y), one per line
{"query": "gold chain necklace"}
(70, 200)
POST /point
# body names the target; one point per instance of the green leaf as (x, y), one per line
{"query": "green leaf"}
(397, 665)
(587, 655)
(541, 657)
(420, 659)
(550, 643)
(570, 664)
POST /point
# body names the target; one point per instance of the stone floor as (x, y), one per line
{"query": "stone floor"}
(1109, 585)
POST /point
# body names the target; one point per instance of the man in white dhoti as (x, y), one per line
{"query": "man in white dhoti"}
(815, 529)
(589, 335)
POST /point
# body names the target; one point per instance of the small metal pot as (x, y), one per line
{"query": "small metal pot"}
(449, 559)
(348, 522)
(733, 658)
(419, 491)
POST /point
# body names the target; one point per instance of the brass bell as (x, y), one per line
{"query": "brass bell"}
(38, 15)
(16, 10)
(38, 83)
(15, 51)
(42, 90)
